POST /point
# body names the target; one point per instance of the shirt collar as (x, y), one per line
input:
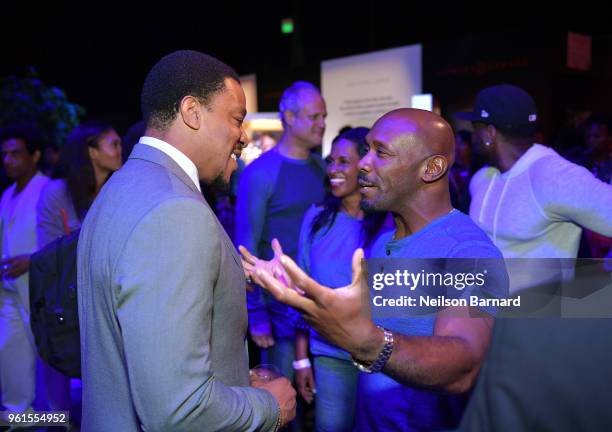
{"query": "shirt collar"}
(176, 155)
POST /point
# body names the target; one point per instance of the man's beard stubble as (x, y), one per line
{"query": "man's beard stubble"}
(219, 184)
(367, 207)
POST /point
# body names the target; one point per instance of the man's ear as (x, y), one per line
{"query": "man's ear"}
(289, 117)
(491, 135)
(190, 112)
(36, 157)
(436, 166)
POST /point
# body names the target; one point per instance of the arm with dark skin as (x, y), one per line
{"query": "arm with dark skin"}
(14, 267)
(448, 361)
(304, 378)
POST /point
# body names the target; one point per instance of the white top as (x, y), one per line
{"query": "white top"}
(176, 155)
(18, 229)
(536, 209)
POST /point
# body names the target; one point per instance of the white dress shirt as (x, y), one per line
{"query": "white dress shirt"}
(176, 155)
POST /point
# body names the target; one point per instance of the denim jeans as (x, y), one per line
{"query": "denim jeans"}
(281, 355)
(336, 384)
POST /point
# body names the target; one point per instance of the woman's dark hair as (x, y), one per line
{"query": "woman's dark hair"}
(75, 165)
(372, 222)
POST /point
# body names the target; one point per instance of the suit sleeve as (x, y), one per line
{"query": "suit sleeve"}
(166, 274)
(254, 190)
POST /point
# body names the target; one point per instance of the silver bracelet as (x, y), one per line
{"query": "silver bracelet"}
(382, 358)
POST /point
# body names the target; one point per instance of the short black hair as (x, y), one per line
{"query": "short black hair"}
(177, 75)
(28, 133)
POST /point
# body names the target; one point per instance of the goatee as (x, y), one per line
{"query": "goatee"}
(219, 184)
(367, 207)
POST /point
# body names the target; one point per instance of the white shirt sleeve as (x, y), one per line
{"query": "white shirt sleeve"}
(569, 192)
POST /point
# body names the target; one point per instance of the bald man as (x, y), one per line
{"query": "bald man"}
(425, 364)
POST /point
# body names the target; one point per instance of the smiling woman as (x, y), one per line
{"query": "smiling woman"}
(90, 155)
(343, 172)
(330, 233)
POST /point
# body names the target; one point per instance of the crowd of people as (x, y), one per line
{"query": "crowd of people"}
(167, 298)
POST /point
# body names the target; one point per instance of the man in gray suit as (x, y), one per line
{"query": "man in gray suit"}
(161, 288)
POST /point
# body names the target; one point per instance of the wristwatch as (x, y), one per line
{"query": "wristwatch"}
(382, 358)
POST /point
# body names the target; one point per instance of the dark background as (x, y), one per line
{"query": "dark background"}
(100, 53)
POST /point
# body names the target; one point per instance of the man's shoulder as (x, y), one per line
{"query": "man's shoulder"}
(9, 191)
(38, 182)
(115, 222)
(262, 171)
(137, 190)
(318, 161)
(40, 178)
(145, 179)
(264, 162)
(550, 165)
(32, 189)
(482, 177)
(467, 239)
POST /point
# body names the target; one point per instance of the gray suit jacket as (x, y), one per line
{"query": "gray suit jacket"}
(162, 309)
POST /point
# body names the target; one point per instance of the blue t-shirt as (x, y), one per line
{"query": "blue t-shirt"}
(327, 258)
(273, 195)
(405, 408)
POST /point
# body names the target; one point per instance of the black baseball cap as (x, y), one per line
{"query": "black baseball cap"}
(507, 107)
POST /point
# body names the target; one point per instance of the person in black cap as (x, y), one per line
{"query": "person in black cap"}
(533, 204)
